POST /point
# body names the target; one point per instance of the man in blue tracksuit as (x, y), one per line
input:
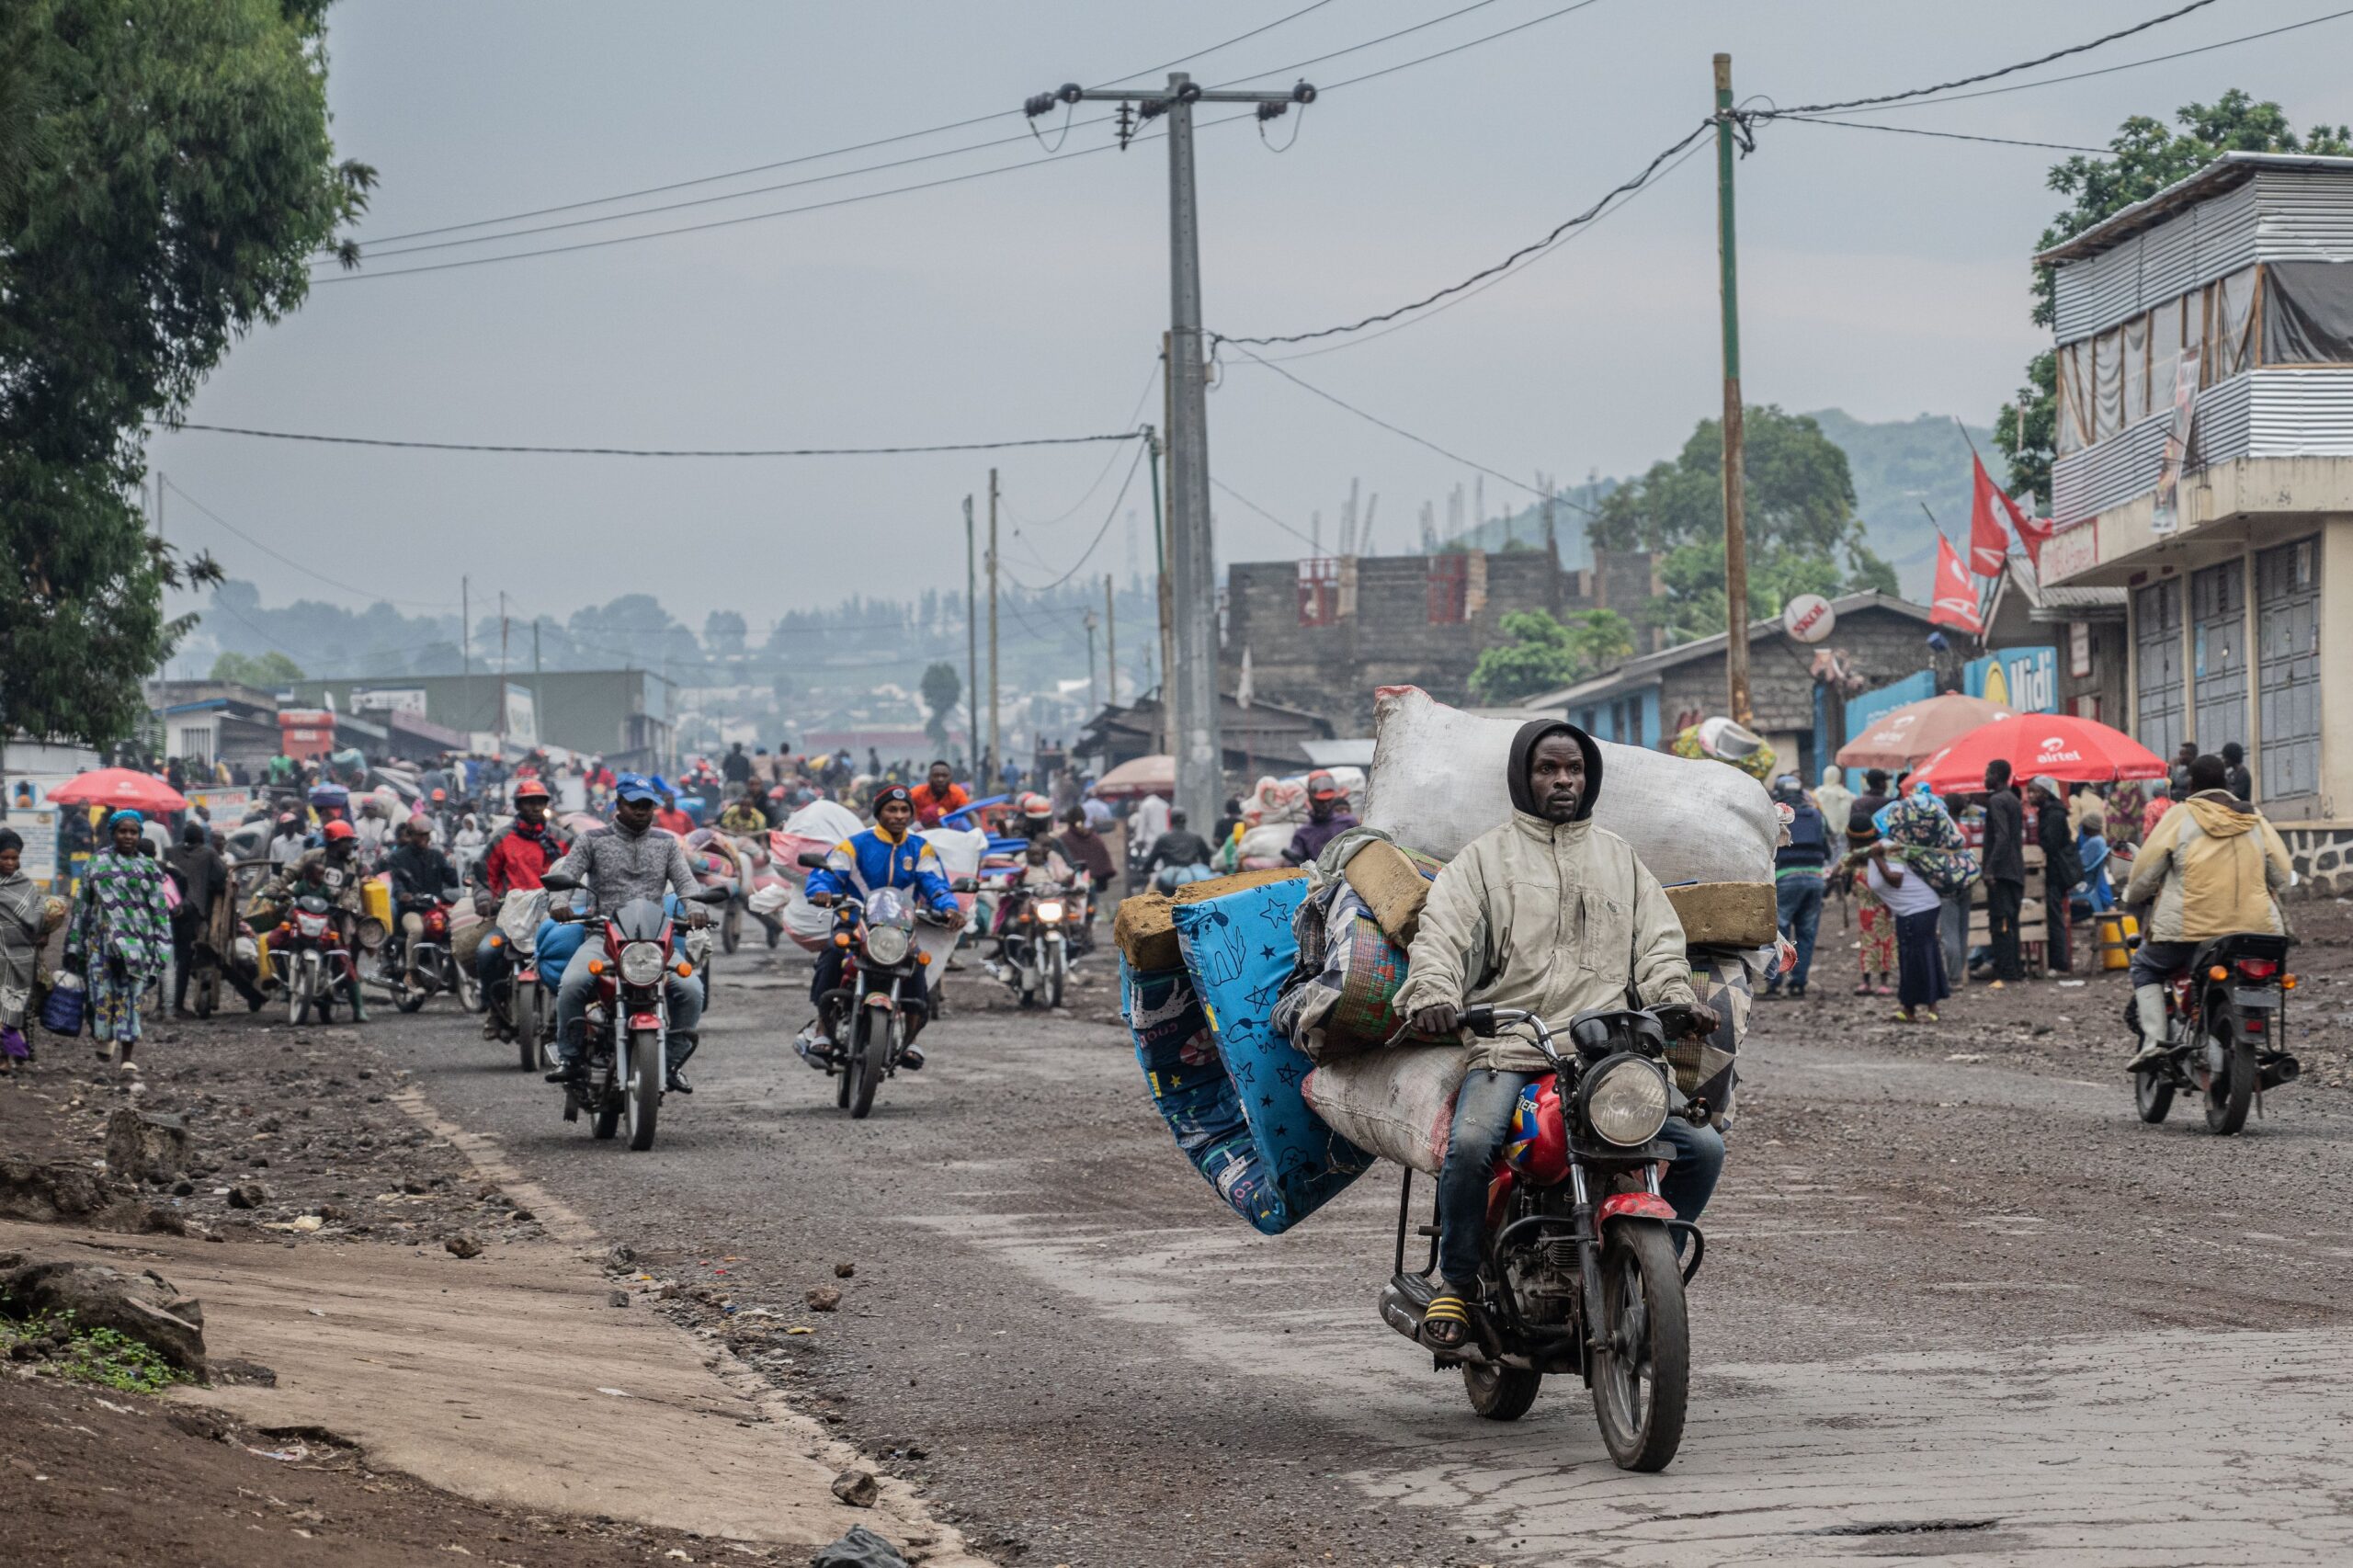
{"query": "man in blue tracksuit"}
(888, 854)
(1798, 867)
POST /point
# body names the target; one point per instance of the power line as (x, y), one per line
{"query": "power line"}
(1359, 48)
(661, 452)
(1238, 37)
(1946, 135)
(1310, 539)
(1625, 187)
(2104, 38)
(1457, 49)
(1087, 495)
(1098, 540)
(173, 485)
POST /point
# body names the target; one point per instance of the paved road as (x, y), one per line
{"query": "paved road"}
(1951, 1307)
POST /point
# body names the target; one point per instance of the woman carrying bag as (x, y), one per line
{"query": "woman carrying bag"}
(120, 940)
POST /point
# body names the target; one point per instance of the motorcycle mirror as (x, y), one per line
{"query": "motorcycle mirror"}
(813, 858)
(965, 884)
(556, 882)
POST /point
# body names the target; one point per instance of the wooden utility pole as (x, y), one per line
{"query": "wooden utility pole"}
(1735, 445)
(1111, 637)
(971, 650)
(996, 754)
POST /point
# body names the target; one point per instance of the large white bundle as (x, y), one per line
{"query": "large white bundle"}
(960, 852)
(1437, 783)
(1398, 1104)
(828, 821)
(1267, 841)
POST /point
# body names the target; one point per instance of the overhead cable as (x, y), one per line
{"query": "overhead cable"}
(1085, 554)
(173, 485)
(662, 452)
(1312, 540)
(1946, 135)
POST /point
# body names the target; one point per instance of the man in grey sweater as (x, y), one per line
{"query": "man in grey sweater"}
(631, 859)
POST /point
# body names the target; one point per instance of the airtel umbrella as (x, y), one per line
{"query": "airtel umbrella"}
(119, 789)
(2068, 749)
(1902, 736)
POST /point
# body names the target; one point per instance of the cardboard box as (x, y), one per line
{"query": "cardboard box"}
(1725, 915)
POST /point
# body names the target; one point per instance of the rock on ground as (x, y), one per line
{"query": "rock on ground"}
(145, 1306)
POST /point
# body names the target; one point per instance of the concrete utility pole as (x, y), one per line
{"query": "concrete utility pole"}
(1735, 443)
(1111, 638)
(1188, 684)
(996, 756)
(1090, 623)
(972, 649)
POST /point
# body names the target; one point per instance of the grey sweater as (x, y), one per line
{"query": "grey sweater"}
(619, 866)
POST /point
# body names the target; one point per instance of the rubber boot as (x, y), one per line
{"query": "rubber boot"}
(2149, 1001)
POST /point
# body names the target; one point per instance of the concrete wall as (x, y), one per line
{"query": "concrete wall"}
(1883, 645)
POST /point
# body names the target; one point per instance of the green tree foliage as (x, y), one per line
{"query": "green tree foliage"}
(942, 689)
(165, 177)
(1804, 535)
(269, 672)
(2147, 158)
(1540, 654)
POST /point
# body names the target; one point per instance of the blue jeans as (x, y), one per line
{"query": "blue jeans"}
(1797, 903)
(1482, 1115)
(572, 1008)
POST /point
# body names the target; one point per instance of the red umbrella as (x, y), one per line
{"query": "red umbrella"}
(2065, 748)
(118, 788)
(1903, 735)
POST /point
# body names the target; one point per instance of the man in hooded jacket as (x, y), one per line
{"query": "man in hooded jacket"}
(2214, 868)
(1554, 915)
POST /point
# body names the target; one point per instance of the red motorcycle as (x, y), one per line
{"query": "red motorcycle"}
(308, 952)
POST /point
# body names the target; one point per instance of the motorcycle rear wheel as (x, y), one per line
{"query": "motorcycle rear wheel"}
(1642, 1376)
(298, 997)
(2230, 1092)
(641, 1095)
(865, 1066)
(407, 997)
(731, 927)
(605, 1114)
(2151, 1094)
(1500, 1393)
(468, 986)
(523, 1011)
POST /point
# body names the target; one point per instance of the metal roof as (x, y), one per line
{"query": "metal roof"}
(2225, 172)
(1651, 667)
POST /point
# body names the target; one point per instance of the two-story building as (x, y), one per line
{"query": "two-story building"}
(2205, 465)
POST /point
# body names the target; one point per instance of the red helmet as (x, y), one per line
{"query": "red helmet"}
(338, 829)
(1037, 806)
(1321, 786)
(440, 794)
(530, 789)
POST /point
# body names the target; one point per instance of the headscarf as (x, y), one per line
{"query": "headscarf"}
(1928, 840)
(1523, 754)
(125, 816)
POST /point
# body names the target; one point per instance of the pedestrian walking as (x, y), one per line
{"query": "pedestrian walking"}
(1798, 869)
(1919, 956)
(22, 908)
(2063, 868)
(202, 874)
(2003, 854)
(120, 938)
(2240, 781)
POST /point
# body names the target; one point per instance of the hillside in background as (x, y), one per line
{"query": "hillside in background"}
(1901, 464)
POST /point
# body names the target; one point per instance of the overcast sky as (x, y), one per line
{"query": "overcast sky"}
(1884, 274)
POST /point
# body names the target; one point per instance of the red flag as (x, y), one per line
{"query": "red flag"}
(1954, 602)
(1989, 541)
(2034, 533)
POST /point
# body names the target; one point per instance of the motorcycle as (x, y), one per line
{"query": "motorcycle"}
(525, 1012)
(436, 966)
(1033, 945)
(2226, 1025)
(1581, 1275)
(884, 999)
(313, 961)
(628, 1019)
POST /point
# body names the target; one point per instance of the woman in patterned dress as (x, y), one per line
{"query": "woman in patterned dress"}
(120, 939)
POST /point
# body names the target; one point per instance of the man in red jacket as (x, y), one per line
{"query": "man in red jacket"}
(515, 859)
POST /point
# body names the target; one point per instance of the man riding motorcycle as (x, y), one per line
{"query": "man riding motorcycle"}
(1549, 914)
(887, 855)
(337, 851)
(523, 852)
(2214, 868)
(1327, 817)
(420, 874)
(631, 859)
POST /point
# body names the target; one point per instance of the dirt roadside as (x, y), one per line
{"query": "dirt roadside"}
(499, 1398)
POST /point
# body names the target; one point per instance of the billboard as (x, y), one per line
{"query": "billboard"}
(522, 717)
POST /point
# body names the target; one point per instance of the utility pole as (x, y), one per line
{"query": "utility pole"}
(971, 651)
(1090, 624)
(1735, 443)
(1160, 585)
(1111, 637)
(996, 756)
(1189, 681)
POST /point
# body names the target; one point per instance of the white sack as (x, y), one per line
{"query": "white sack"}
(828, 821)
(1267, 841)
(1398, 1104)
(1437, 783)
(960, 852)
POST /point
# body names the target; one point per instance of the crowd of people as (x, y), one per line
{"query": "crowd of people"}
(1908, 867)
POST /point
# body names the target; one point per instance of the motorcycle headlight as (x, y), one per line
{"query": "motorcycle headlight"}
(886, 944)
(642, 963)
(1625, 1102)
(1050, 911)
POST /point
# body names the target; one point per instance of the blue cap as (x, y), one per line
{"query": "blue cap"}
(633, 786)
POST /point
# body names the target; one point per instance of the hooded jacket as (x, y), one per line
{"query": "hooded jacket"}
(1554, 917)
(2212, 865)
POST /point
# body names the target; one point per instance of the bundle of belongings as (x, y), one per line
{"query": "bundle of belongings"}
(1263, 1006)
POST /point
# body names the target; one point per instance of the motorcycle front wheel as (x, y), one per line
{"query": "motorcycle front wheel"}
(407, 997)
(467, 984)
(731, 927)
(1057, 968)
(523, 1010)
(298, 995)
(865, 1066)
(2231, 1089)
(642, 1095)
(1500, 1393)
(1642, 1376)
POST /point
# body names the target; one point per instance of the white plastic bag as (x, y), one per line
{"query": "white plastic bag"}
(828, 821)
(1398, 1103)
(1437, 783)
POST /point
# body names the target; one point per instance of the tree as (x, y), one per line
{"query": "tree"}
(722, 633)
(942, 689)
(267, 673)
(167, 178)
(1801, 523)
(2147, 158)
(1540, 654)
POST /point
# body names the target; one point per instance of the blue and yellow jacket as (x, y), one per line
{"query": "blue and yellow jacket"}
(876, 860)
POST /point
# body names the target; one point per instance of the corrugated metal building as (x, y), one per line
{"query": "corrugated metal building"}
(2205, 348)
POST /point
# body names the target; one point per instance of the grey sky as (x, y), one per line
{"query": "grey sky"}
(1882, 273)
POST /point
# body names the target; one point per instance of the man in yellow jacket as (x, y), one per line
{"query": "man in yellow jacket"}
(2212, 865)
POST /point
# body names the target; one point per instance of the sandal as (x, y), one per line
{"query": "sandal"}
(1446, 1324)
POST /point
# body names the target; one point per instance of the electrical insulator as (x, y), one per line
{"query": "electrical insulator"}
(1189, 93)
(1071, 93)
(1303, 94)
(1037, 104)
(1272, 111)
(1126, 125)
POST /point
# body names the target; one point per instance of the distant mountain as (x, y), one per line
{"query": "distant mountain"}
(1898, 466)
